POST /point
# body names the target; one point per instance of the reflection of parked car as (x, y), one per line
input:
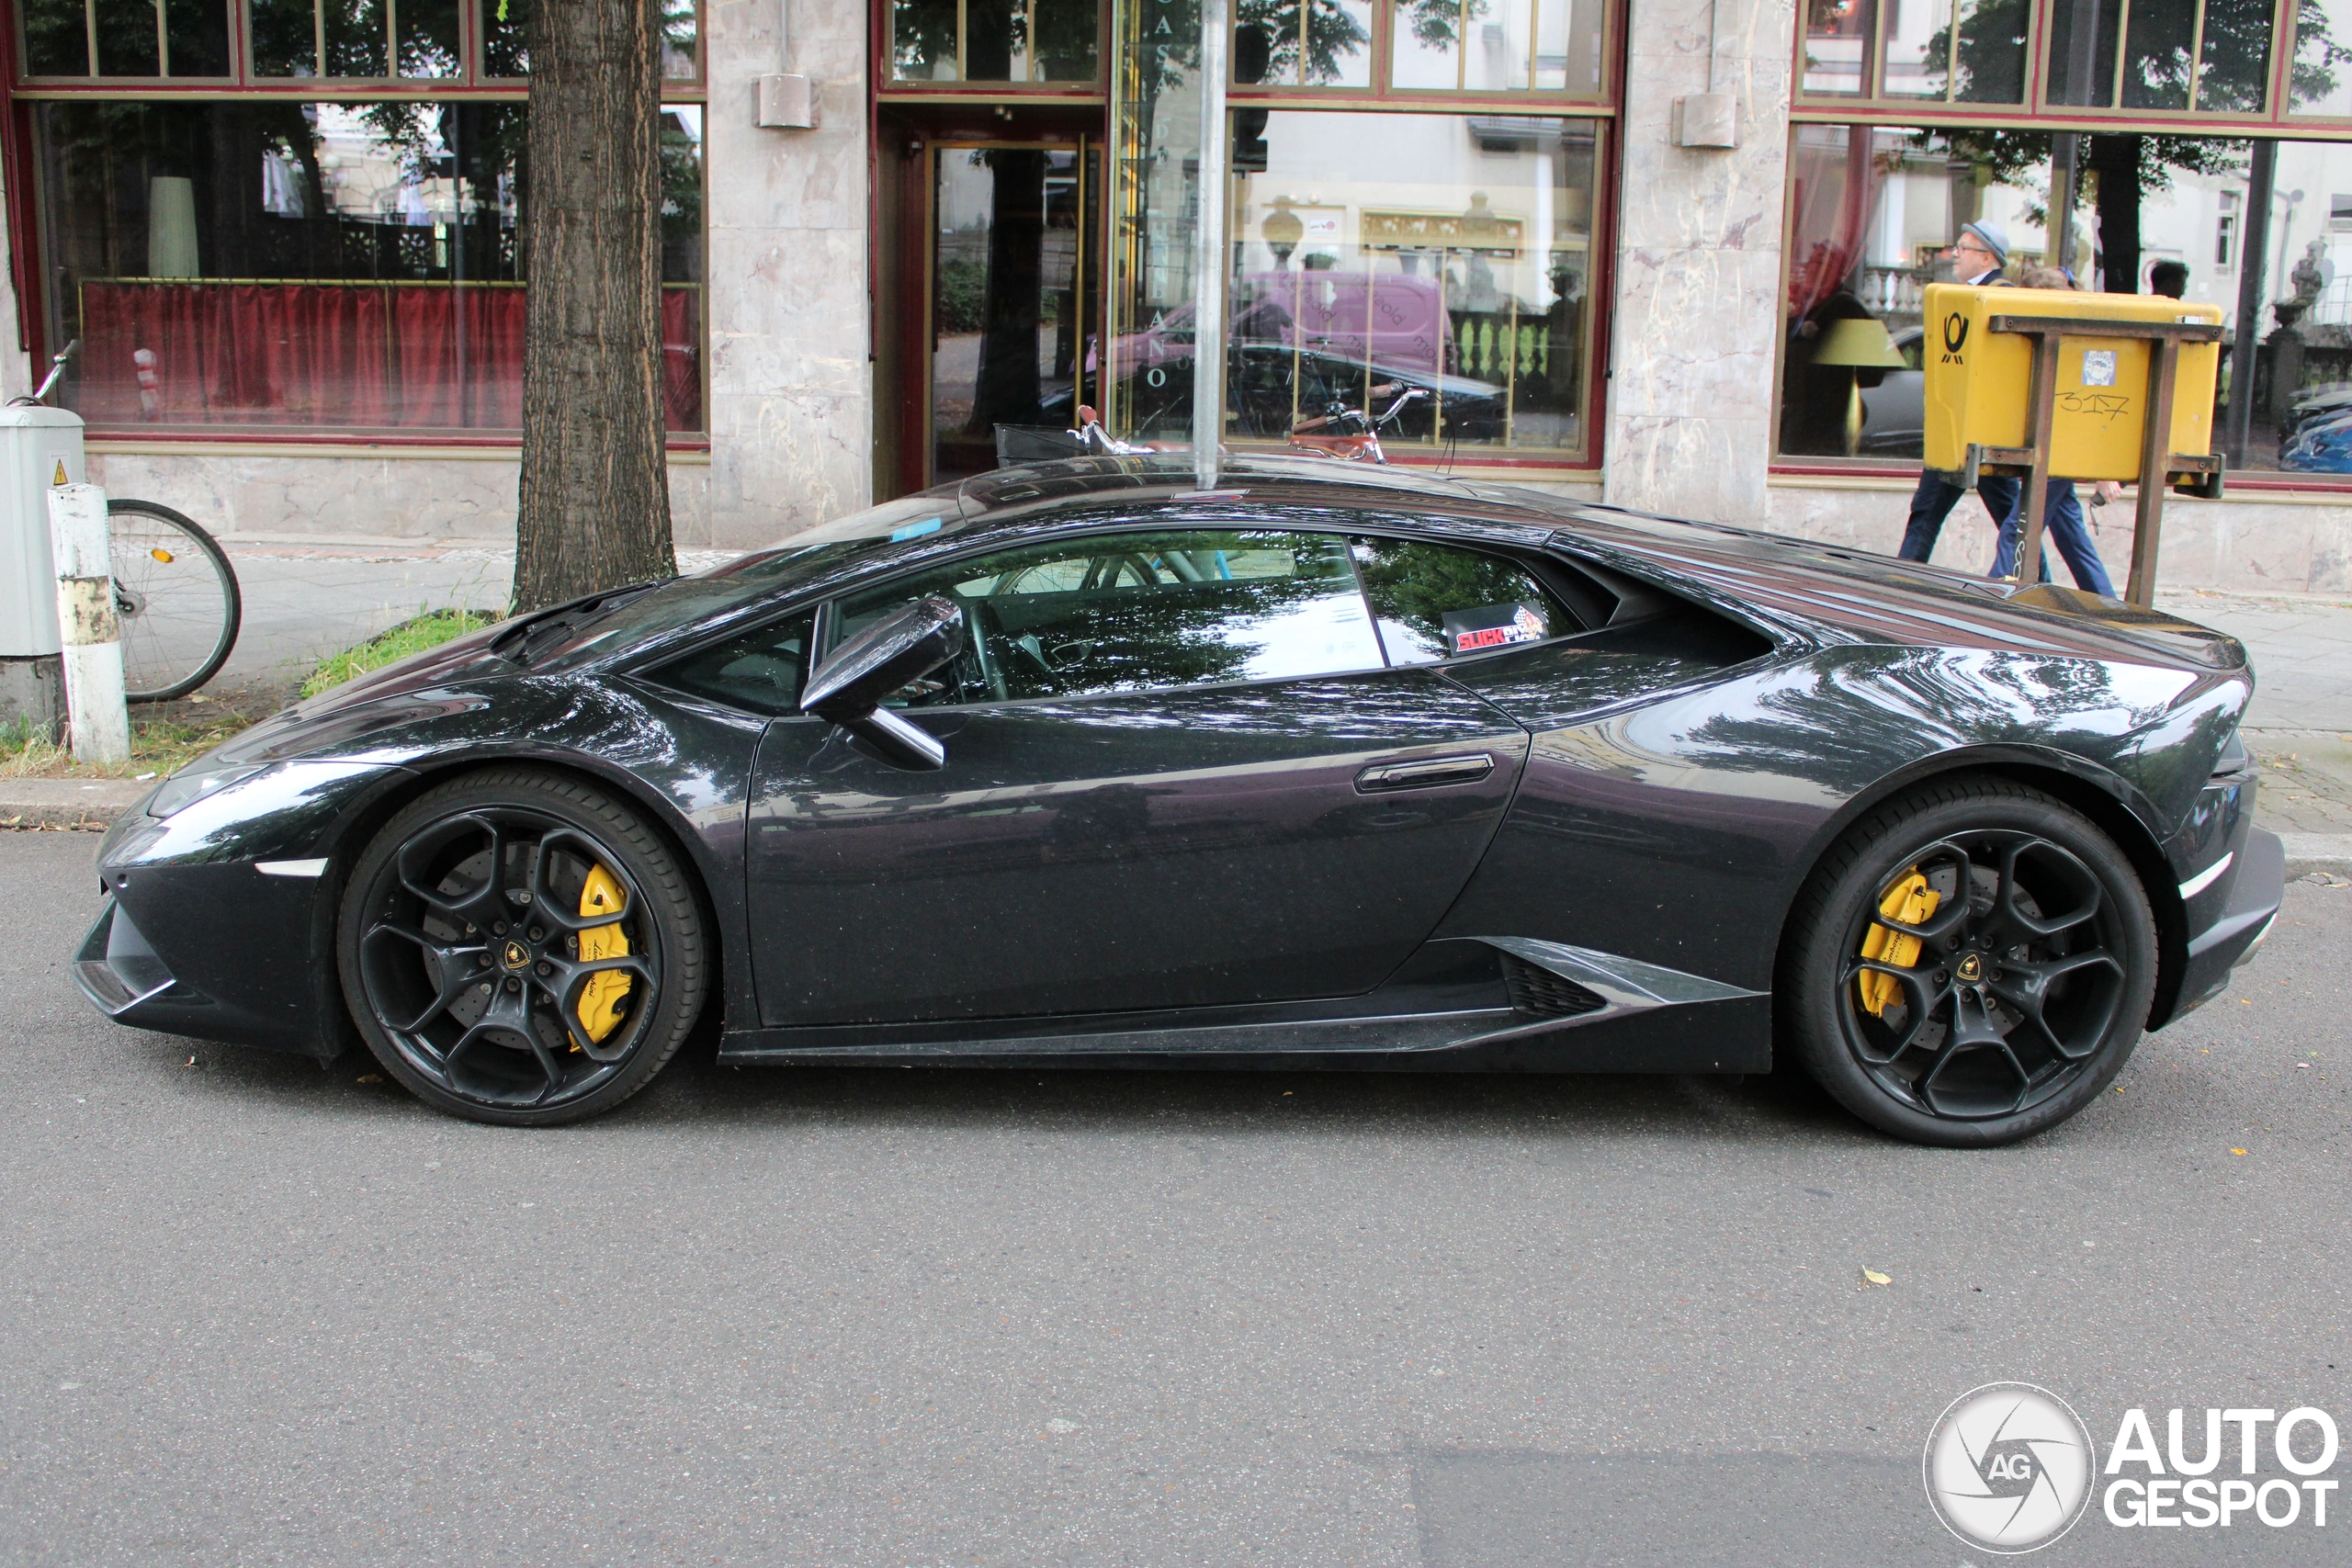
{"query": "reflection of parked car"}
(1261, 395)
(2320, 447)
(1895, 411)
(1397, 320)
(2316, 405)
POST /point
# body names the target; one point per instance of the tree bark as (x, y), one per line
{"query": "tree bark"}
(594, 496)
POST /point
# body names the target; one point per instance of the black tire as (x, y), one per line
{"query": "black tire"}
(486, 1018)
(175, 597)
(2018, 1008)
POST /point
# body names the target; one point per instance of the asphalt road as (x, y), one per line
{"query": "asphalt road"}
(253, 1312)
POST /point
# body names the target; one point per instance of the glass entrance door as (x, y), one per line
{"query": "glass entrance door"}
(1012, 296)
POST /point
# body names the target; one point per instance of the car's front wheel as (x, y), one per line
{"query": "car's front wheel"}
(518, 948)
(1970, 965)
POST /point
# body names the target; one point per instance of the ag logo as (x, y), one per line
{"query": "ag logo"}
(1955, 334)
(2008, 1468)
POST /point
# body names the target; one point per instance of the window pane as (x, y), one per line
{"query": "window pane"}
(922, 41)
(57, 39)
(1155, 203)
(2081, 51)
(1425, 43)
(1432, 602)
(1992, 52)
(1501, 46)
(354, 38)
(286, 42)
(1141, 612)
(681, 41)
(1916, 48)
(2233, 58)
(2155, 46)
(331, 265)
(1070, 40)
(127, 38)
(199, 36)
(1431, 270)
(428, 38)
(1835, 34)
(2302, 422)
(1335, 52)
(759, 672)
(1568, 44)
(2321, 80)
(996, 40)
(505, 31)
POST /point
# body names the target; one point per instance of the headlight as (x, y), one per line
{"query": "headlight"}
(192, 783)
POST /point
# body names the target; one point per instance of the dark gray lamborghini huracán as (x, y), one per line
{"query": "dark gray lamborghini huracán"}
(1078, 764)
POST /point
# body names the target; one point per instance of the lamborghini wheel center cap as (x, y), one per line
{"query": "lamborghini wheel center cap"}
(1971, 968)
(516, 956)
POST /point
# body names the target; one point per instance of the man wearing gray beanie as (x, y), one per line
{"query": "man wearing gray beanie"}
(1978, 257)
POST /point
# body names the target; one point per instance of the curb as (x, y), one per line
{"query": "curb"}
(88, 804)
(2308, 853)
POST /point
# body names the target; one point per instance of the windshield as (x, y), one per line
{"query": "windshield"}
(803, 556)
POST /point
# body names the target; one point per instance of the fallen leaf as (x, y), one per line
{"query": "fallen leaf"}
(371, 1078)
(1873, 1277)
(2237, 1151)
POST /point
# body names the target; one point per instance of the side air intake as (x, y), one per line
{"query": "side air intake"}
(1538, 991)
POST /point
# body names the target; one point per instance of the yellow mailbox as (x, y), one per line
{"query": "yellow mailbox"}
(1978, 380)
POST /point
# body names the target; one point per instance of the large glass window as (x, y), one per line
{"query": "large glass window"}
(315, 266)
(1873, 208)
(131, 38)
(1497, 45)
(1438, 267)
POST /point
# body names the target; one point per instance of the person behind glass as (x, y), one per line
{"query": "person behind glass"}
(2169, 278)
(1977, 257)
(2062, 515)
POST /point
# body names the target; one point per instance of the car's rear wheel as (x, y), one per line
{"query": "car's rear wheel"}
(1970, 965)
(518, 948)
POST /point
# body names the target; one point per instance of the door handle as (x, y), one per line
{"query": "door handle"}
(1430, 772)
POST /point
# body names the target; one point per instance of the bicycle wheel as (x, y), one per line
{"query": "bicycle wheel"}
(176, 598)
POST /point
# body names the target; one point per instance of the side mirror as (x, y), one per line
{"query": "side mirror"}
(903, 646)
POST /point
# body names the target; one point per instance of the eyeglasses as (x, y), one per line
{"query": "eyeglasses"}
(1972, 244)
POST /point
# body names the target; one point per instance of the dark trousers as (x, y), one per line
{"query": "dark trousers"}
(1935, 498)
(2062, 519)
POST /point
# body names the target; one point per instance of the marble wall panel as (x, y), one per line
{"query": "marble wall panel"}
(357, 498)
(1694, 335)
(791, 387)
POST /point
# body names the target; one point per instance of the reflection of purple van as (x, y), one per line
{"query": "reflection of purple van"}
(1390, 318)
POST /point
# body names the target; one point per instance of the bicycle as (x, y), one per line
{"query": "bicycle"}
(176, 595)
(1362, 445)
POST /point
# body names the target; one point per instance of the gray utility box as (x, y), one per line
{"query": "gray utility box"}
(39, 447)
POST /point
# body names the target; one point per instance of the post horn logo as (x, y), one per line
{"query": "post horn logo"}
(1955, 332)
(2008, 1468)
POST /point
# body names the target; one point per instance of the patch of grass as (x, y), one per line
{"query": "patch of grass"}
(164, 736)
(412, 635)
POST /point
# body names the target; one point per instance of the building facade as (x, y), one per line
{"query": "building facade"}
(1593, 246)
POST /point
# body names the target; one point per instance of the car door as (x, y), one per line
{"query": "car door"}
(1178, 772)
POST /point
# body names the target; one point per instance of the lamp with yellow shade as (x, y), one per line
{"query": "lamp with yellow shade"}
(1860, 343)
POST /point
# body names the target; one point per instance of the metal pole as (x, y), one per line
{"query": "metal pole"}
(2062, 180)
(1209, 249)
(2254, 245)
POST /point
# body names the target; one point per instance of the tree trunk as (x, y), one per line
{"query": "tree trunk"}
(2116, 160)
(594, 494)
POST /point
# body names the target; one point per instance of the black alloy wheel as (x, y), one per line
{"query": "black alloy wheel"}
(1972, 965)
(516, 948)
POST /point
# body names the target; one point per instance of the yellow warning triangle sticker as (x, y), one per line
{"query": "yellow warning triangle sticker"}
(60, 477)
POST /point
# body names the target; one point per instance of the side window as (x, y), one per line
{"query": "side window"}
(758, 671)
(1436, 602)
(1138, 612)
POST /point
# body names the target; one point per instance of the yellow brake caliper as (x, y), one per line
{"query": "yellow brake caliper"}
(603, 998)
(1910, 900)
